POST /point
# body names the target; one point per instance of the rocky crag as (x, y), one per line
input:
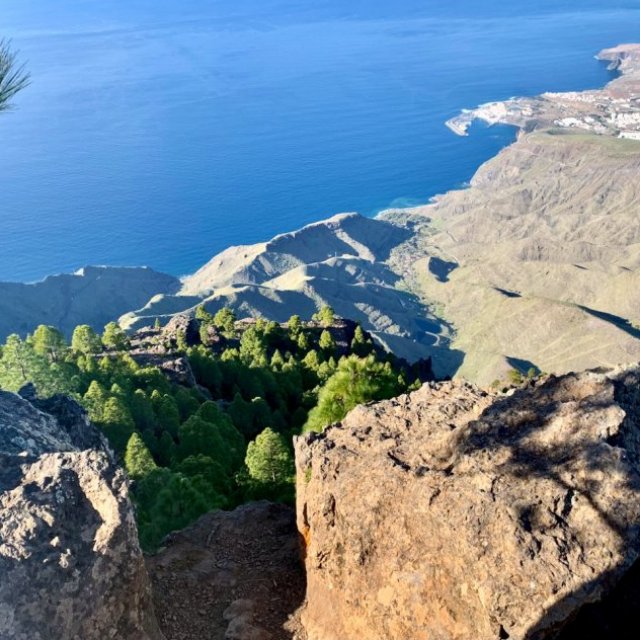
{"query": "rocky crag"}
(455, 513)
(452, 512)
(70, 562)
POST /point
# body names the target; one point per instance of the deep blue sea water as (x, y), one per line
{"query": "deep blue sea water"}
(159, 132)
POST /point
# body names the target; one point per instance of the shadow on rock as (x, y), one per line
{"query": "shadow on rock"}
(579, 436)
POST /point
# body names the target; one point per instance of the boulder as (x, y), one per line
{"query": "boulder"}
(70, 562)
(455, 513)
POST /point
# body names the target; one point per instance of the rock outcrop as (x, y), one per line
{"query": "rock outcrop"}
(70, 564)
(454, 513)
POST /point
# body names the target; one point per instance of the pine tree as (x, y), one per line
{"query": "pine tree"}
(138, 461)
(303, 342)
(225, 320)
(94, 400)
(142, 411)
(181, 341)
(85, 340)
(17, 363)
(277, 360)
(167, 412)
(166, 449)
(327, 343)
(203, 315)
(117, 423)
(48, 342)
(360, 345)
(240, 412)
(114, 337)
(268, 459)
(325, 316)
(13, 77)
(294, 325)
(355, 381)
(198, 436)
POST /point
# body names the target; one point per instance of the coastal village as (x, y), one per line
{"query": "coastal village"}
(613, 110)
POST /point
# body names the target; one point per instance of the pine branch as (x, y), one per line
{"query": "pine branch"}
(13, 77)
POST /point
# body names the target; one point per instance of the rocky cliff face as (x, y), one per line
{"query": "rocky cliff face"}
(454, 513)
(70, 562)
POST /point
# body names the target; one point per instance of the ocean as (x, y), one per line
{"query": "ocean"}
(158, 133)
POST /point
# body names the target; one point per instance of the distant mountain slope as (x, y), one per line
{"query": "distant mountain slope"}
(93, 295)
(543, 255)
(345, 234)
(339, 261)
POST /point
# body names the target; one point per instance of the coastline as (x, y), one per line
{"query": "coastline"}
(612, 110)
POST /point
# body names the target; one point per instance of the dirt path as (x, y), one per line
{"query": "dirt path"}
(232, 575)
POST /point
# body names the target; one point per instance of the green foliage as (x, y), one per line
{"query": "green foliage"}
(117, 422)
(13, 77)
(186, 448)
(181, 341)
(20, 364)
(325, 316)
(269, 460)
(138, 461)
(85, 340)
(225, 320)
(48, 342)
(303, 342)
(356, 380)
(294, 326)
(253, 347)
(326, 342)
(360, 345)
(114, 337)
(203, 315)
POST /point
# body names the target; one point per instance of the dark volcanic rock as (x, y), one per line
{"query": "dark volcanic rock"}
(455, 513)
(70, 564)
